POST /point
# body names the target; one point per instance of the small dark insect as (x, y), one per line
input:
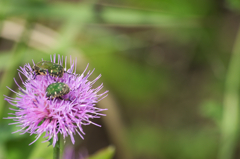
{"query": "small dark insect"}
(58, 89)
(54, 69)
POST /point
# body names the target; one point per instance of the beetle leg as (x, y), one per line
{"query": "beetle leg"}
(64, 99)
(68, 100)
(67, 72)
(34, 75)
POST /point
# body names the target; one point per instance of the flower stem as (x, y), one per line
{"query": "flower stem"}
(56, 149)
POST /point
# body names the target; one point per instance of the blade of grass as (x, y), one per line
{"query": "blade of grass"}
(230, 122)
(106, 153)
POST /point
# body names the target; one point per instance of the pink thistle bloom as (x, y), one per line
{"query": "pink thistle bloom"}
(37, 114)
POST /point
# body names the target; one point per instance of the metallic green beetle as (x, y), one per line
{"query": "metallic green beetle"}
(58, 89)
(54, 69)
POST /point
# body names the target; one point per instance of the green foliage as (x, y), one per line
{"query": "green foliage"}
(234, 4)
(106, 153)
(151, 140)
(143, 83)
(41, 150)
(212, 110)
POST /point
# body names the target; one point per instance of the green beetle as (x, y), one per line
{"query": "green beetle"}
(58, 89)
(54, 69)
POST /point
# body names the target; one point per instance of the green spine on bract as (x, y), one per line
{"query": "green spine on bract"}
(58, 89)
(53, 69)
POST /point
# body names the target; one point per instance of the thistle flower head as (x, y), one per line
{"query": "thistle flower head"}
(35, 113)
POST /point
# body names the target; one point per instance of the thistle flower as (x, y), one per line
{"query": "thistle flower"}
(37, 114)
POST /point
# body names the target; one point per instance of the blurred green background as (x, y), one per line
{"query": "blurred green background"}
(172, 69)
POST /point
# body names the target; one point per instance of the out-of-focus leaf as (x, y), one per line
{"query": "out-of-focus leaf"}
(106, 153)
(213, 110)
(135, 17)
(234, 4)
(68, 34)
(9, 73)
(183, 7)
(4, 56)
(84, 13)
(5, 132)
(130, 80)
(41, 150)
(2, 150)
(66, 11)
(17, 148)
(151, 140)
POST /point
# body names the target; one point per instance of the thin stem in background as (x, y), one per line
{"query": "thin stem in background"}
(56, 149)
(230, 122)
